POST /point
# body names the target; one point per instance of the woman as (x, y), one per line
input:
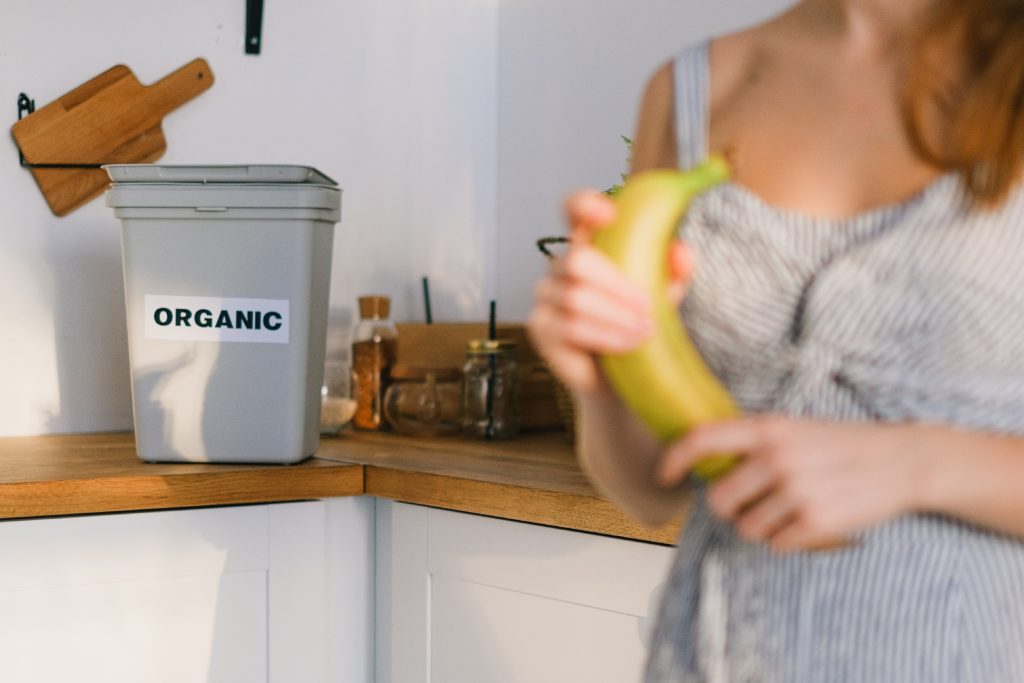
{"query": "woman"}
(859, 288)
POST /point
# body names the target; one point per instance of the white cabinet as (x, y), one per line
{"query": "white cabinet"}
(321, 591)
(235, 594)
(464, 599)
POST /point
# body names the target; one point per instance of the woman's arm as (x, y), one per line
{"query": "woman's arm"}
(801, 484)
(586, 307)
(621, 458)
(618, 454)
(975, 477)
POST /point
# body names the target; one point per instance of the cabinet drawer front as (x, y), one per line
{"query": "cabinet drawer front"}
(68, 551)
(604, 572)
(198, 628)
(463, 598)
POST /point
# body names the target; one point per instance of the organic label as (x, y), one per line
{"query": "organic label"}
(204, 318)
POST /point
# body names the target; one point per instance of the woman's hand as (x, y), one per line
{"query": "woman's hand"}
(585, 305)
(801, 484)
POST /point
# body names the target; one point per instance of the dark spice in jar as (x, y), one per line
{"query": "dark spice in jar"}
(374, 352)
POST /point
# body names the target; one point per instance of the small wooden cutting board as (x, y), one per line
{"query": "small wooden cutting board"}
(110, 119)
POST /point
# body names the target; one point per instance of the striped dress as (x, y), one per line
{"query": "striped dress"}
(912, 311)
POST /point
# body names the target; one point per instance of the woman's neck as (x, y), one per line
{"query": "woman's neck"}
(863, 27)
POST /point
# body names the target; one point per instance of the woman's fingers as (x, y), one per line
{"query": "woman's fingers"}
(586, 306)
(766, 517)
(589, 210)
(741, 488)
(590, 320)
(574, 367)
(680, 268)
(586, 266)
(728, 436)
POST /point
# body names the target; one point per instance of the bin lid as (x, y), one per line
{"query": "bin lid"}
(250, 173)
(209, 188)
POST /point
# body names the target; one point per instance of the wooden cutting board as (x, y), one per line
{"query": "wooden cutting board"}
(110, 119)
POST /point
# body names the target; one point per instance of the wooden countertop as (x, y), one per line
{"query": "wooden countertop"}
(534, 478)
(44, 476)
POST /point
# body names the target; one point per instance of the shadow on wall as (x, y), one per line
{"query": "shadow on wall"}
(89, 329)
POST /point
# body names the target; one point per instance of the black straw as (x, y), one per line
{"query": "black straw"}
(492, 333)
(426, 301)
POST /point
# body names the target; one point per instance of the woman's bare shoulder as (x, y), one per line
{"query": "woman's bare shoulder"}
(654, 141)
(733, 60)
(736, 60)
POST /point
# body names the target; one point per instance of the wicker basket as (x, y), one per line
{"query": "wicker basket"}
(563, 397)
(566, 408)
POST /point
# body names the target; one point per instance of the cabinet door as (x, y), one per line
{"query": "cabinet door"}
(224, 594)
(464, 598)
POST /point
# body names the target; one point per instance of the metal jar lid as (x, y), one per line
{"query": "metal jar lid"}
(478, 347)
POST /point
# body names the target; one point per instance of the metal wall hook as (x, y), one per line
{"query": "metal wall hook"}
(26, 105)
(253, 26)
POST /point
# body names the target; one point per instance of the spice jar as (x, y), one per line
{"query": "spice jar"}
(490, 396)
(374, 350)
(424, 401)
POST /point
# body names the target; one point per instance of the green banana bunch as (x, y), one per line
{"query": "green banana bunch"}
(664, 381)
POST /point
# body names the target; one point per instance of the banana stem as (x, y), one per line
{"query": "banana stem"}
(710, 172)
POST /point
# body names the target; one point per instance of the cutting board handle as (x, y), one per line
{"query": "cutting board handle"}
(180, 86)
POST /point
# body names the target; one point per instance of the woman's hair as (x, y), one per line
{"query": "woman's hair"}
(966, 113)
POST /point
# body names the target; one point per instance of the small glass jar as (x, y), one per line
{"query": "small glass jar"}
(424, 401)
(490, 396)
(336, 405)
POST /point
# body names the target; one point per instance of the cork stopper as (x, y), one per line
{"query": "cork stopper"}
(374, 306)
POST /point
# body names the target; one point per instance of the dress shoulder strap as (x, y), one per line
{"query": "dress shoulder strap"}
(692, 82)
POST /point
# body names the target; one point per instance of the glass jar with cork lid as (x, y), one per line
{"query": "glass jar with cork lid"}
(374, 352)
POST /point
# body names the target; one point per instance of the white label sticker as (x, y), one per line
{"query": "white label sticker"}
(207, 318)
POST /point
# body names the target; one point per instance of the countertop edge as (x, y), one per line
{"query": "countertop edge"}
(97, 495)
(62, 475)
(508, 501)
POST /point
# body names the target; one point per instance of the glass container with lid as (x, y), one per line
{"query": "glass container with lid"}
(490, 397)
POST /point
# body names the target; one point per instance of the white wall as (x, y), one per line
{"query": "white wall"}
(396, 100)
(421, 109)
(570, 77)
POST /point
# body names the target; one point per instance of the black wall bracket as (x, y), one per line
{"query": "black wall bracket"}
(253, 26)
(26, 106)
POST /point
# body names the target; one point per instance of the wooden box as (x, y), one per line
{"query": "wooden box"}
(443, 345)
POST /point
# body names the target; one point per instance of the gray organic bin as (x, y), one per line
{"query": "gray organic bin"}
(227, 274)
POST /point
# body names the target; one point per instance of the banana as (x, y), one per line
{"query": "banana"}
(664, 381)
